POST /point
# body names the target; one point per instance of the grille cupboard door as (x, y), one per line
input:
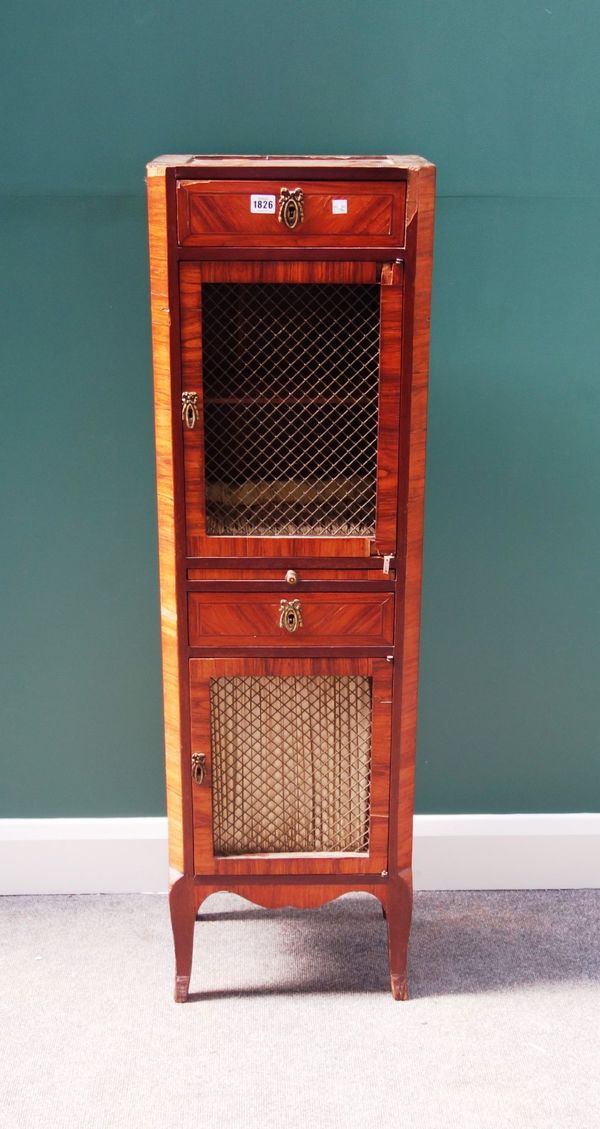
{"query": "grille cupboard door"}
(296, 765)
(294, 370)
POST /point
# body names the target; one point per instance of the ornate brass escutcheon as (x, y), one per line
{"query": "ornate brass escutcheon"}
(189, 409)
(198, 767)
(290, 615)
(291, 207)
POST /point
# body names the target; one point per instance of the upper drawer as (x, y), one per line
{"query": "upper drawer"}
(246, 213)
(322, 619)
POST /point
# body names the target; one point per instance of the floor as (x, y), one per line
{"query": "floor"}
(290, 1022)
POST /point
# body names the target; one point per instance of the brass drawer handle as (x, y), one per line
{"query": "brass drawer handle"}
(290, 615)
(189, 409)
(291, 207)
(198, 767)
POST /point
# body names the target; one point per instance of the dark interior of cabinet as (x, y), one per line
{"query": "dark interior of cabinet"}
(290, 386)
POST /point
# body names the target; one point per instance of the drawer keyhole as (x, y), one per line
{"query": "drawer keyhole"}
(291, 207)
(290, 615)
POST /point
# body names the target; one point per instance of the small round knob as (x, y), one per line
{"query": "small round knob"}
(291, 577)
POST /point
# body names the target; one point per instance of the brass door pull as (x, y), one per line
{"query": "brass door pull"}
(290, 615)
(291, 207)
(189, 409)
(198, 767)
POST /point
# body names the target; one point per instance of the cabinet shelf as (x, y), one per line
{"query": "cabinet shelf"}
(302, 401)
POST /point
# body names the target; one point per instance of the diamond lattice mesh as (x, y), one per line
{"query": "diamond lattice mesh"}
(290, 375)
(291, 761)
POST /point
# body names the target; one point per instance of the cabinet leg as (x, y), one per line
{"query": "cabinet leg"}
(182, 904)
(398, 911)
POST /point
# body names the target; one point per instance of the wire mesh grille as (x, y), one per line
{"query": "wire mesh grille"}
(291, 380)
(291, 763)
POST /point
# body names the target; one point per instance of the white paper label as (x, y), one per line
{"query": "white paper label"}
(339, 207)
(262, 205)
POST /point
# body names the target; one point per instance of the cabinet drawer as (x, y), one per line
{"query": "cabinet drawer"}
(218, 213)
(302, 575)
(323, 618)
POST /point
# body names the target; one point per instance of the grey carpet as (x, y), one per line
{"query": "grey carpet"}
(290, 1022)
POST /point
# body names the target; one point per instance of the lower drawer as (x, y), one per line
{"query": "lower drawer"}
(238, 619)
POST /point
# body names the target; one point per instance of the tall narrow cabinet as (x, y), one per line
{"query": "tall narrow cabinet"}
(290, 321)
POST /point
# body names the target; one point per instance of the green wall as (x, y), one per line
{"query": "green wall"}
(506, 100)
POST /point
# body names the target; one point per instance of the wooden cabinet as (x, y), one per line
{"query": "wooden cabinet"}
(290, 317)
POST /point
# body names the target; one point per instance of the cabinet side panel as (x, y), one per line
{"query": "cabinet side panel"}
(157, 230)
(419, 368)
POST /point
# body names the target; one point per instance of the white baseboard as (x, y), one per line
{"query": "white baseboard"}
(83, 856)
(452, 852)
(507, 852)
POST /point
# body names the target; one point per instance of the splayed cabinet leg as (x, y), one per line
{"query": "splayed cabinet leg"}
(398, 912)
(182, 903)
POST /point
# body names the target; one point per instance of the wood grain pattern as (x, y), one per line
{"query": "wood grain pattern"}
(201, 671)
(167, 518)
(258, 564)
(398, 912)
(409, 601)
(291, 548)
(390, 366)
(246, 574)
(217, 213)
(365, 584)
(305, 575)
(183, 908)
(294, 271)
(252, 619)
(306, 895)
(369, 253)
(320, 651)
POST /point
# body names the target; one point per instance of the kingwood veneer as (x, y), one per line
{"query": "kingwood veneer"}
(290, 321)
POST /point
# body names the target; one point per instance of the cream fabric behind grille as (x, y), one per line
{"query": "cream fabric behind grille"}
(291, 761)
